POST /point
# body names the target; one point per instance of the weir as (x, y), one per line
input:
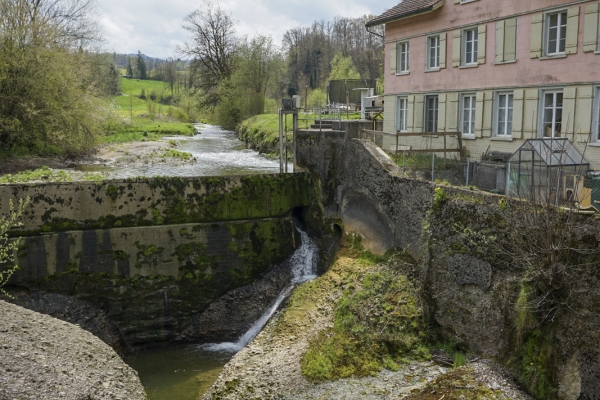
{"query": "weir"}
(151, 256)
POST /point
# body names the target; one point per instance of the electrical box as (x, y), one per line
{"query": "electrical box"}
(297, 100)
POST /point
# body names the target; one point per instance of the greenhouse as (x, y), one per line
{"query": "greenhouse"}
(548, 171)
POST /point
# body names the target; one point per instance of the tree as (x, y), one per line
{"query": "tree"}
(141, 66)
(7, 246)
(212, 49)
(47, 81)
(343, 68)
(129, 68)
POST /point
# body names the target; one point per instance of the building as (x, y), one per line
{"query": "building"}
(496, 72)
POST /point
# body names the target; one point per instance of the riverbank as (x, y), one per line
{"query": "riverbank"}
(43, 358)
(278, 363)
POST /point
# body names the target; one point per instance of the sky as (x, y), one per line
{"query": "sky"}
(155, 26)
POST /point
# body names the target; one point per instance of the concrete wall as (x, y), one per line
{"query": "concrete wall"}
(154, 201)
(149, 256)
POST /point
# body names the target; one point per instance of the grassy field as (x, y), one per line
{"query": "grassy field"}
(138, 118)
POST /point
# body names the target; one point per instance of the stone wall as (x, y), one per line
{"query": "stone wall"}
(470, 287)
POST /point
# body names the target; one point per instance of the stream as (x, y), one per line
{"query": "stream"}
(187, 372)
(218, 153)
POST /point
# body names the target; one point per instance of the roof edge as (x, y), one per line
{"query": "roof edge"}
(404, 16)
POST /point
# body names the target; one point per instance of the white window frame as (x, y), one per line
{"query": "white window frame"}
(561, 23)
(428, 65)
(399, 54)
(473, 109)
(436, 112)
(596, 116)
(401, 112)
(464, 43)
(498, 112)
(542, 112)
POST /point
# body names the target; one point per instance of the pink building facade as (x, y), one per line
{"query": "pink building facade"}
(496, 72)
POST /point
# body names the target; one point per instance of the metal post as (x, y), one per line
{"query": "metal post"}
(320, 129)
(403, 167)
(507, 189)
(432, 166)
(295, 118)
(280, 142)
(468, 170)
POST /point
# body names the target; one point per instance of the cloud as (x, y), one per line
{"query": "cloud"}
(155, 27)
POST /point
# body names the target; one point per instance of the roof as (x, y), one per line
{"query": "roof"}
(405, 9)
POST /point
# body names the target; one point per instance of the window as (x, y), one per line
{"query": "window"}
(504, 114)
(552, 113)
(469, 47)
(556, 33)
(431, 113)
(433, 52)
(402, 114)
(403, 57)
(468, 114)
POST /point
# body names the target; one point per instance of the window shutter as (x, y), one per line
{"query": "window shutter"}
(499, 41)
(442, 112)
(537, 25)
(481, 42)
(456, 47)
(510, 39)
(568, 111)
(590, 28)
(443, 50)
(488, 115)
(394, 58)
(572, 30)
(479, 114)
(530, 113)
(583, 112)
(410, 117)
(419, 108)
(517, 122)
(452, 112)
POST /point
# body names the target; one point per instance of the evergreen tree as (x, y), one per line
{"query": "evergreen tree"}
(129, 68)
(141, 65)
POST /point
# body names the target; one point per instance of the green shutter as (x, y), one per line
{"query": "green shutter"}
(510, 39)
(393, 58)
(443, 50)
(572, 30)
(517, 122)
(456, 44)
(537, 26)
(410, 111)
(568, 111)
(479, 114)
(452, 112)
(481, 43)
(499, 41)
(590, 28)
(419, 109)
(442, 112)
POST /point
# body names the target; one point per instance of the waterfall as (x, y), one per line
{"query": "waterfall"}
(304, 267)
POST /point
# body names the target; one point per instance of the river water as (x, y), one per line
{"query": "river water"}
(218, 152)
(186, 372)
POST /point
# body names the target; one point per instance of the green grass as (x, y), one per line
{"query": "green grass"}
(178, 154)
(46, 174)
(148, 130)
(134, 86)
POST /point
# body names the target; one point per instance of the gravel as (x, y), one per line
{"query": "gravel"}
(44, 358)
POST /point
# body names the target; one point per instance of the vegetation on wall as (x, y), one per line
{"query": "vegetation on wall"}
(9, 246)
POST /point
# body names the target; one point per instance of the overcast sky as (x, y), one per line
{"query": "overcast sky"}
(154, 26)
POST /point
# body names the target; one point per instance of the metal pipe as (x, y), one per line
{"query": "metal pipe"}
(468, 169)
(432, 166)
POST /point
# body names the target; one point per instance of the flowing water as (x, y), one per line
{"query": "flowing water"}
(218, 152)
(185, 373)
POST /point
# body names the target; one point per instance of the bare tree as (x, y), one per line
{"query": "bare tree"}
(212, 48)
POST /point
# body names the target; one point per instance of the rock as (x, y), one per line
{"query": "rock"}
(66, 369)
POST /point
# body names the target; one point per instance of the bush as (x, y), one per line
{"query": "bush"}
(7, 246)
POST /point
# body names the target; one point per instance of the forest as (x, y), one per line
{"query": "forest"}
(61, 92)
